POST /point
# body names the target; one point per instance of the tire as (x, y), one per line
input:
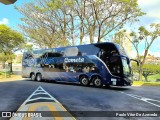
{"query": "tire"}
(39, 77)
(33, 77)
(97, 82)
(84, 80)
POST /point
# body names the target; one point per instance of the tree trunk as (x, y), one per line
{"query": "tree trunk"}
(99, 34)
(146, 78)
(10, 67)
(91, 35)
(141, 65)
(140, 72)
(81, 37)
(72, 39)
(64, 31)
(72, 32)
(81, 33)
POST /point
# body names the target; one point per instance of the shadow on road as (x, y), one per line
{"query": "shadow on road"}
(117, 88)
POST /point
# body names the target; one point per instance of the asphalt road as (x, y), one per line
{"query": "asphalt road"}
(78, 98)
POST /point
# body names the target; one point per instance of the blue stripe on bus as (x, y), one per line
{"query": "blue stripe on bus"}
(70, 77)
(57, 75)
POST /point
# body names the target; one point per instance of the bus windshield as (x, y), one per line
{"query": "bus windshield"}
(126, 68)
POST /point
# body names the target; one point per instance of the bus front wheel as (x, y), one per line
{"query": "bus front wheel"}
(84, 80)
(39, 77)
(97, 82)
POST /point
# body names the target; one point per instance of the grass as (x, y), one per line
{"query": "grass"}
(153, 78)
(12, 78)
(151, 81)
(3, 75)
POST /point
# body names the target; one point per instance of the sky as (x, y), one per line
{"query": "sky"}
(152, 10)
(11, 17)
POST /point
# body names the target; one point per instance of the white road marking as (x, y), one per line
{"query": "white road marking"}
(49, 95)
(144, 99)
(40, 93)
(39, 98)
(44, 92)
(52, 106)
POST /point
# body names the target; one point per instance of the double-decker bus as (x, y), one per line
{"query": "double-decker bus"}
(98, 64)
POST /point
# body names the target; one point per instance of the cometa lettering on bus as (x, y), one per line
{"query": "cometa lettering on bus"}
(67, 60)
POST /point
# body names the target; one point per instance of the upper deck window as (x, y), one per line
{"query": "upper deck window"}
(50, 54)
(71, 51)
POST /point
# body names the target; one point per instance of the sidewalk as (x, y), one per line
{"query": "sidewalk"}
(12, 78)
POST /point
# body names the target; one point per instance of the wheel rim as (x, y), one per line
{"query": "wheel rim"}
(97, 82)
(84, 81)
(38, 78)
(33, 77)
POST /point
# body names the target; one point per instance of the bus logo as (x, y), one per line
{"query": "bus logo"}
(67, 60)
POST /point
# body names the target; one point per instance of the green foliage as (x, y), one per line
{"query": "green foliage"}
(69, 2)
(27, 47)
(55, 4)
(6, 57)
(153, 78)
(151, 68)
(10, 40)
(134, 67)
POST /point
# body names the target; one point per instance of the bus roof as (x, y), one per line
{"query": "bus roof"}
(79, 45)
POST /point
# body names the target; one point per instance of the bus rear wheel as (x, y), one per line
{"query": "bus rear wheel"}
(84, 80)
(39, 77)
(33, 77)
(97, 82)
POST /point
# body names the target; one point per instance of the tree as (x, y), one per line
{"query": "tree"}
(6, 58)
(148, 36)
(10, 42)
(54, 23)
(26, 47)
(111, 15)
(150, 69)
(120, 38)
(80, 11)
(46, 23)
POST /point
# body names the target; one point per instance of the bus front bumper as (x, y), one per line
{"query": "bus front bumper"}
(127, 82)
(121, 82)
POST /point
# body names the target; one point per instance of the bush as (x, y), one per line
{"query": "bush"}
(157, 80)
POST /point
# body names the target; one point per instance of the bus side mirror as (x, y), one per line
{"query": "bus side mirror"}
(135, 61)
(128, 61)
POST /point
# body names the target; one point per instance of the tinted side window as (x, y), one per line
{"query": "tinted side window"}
(45, 55)
(27, 55)
(88, 50)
